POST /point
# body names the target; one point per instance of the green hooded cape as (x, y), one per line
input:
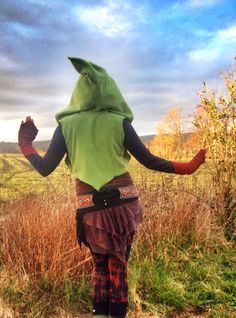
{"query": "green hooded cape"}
(92, 125)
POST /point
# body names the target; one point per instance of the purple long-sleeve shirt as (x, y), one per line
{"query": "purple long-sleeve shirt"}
(57, 149)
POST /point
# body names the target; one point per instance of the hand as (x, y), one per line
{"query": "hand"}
(191, 166)
(27, 133)
(28, 119)
(200, 157)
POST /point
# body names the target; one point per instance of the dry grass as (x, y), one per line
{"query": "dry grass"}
(38, 239)
(184, 220)
(5, 311)
(38, 234)
(178, 210)
(40, 254)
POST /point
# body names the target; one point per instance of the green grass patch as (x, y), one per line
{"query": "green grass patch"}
(42, 298)
(181, 281)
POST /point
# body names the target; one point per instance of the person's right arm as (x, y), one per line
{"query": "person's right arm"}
(56, 151)
(135, 146)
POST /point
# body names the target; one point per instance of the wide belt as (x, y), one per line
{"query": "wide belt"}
(106, 197)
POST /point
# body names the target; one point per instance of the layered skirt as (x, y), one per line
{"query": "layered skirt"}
(108, 230)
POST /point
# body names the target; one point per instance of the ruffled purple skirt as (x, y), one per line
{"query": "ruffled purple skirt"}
(110, 230)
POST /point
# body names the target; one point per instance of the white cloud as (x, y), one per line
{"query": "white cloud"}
(8, 64)
(182, 6)
(201, 3)
(206, 54)
(221, 46)
(9, 131)
(111, 19)
(228, 34)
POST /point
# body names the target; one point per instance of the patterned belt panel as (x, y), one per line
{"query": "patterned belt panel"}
(84, 201)
(125, 192)
(128, 192)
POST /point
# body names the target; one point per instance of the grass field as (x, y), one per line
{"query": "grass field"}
(182, 263)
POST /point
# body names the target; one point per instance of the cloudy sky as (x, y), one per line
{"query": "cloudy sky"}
(158, 51)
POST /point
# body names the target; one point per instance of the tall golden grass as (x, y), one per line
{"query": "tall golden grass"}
(38, 238)
(38, 234)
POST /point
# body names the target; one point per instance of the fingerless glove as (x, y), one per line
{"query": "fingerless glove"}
(191, 166)
(26, 135)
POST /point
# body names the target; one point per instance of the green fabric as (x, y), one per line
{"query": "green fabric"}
(92, 126)
(95, 91)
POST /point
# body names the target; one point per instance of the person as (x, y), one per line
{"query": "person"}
(96, 134)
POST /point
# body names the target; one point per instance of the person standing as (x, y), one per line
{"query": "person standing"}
(95, 133)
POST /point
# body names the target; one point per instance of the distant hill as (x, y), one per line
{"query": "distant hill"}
(12, 147)
(9, 147)
(146, 138)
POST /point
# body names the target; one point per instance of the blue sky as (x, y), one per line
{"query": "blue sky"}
(159, 52)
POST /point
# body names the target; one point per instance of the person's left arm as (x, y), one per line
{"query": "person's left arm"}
(56, 151)
(135, 146)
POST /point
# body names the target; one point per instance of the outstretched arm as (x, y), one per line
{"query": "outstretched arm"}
(137, 149)
(57, 148)
(135, 146)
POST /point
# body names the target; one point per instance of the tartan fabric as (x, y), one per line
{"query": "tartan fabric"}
(110, 285)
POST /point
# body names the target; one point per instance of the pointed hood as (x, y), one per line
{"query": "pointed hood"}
(95, 91)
